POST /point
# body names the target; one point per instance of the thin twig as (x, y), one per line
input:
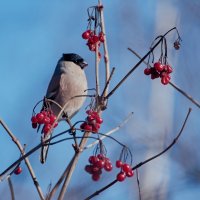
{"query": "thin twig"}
(146, 161)
(105, 46)
(185, 94)
(138, 64)
(27, 162)
(172, 84)
(11, 188)
(54, 189)
(72, 167)
(108, 82)
(97, 71)
(111, 131)
(138, 184)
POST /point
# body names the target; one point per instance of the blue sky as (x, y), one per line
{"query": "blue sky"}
(34, 35)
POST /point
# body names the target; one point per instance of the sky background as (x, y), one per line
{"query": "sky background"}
(33, 36)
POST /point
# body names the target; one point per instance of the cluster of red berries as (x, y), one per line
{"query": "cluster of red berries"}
(126, 171)
(159, 70)
(93, 39)
(93, 122)
(18, 170)
(44, 117)
(97, 164)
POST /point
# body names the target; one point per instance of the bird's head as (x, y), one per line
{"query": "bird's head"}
(75, 58)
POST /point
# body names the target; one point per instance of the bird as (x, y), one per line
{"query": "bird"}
(68, 82)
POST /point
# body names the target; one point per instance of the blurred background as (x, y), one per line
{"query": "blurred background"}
(33, 36)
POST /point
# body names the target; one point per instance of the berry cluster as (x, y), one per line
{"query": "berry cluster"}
(93, 39)
(93, 122)
(18, 170)
(97, 163)
(47, 118)
(126, 170)
(159, 70)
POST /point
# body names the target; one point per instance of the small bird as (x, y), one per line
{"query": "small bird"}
(69, 80)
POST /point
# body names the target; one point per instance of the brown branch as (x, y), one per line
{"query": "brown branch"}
(72, 166)
(146, 161)
(107, 83)
(138, 64)
(138, 184)
(172, 84)
(27, 162)
(11, 188)
(54, 189)
(105, 46)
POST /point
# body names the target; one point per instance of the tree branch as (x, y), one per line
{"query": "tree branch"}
(27, 162)
(172, 84)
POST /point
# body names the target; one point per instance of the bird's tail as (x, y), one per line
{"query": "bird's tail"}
(45, 148)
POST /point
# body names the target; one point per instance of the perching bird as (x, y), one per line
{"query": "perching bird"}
(68, 81)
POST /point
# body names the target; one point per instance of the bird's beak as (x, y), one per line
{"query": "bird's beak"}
(83, 64)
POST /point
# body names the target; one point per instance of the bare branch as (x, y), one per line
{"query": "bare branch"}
(172, 84)
(27, 162)
(11, 188)
(138, 184)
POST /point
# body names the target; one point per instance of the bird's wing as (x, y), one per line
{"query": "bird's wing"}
(54, 86)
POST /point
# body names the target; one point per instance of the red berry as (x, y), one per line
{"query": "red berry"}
(18, 171)
(46, 120)
(40, 118)
(168, 68)
(101, 37)
(165, 79)
(101, 156)
(95, 169)
(147, 71)
(87, 127)
(93, 159)
(90, 118)
(95, 177)
(158, 66)
(86, 34)
(88, 168)
(92, 47)
(126, 167)
(95, 129)
(34, 119)
(95, 39)
(100, 164)
(34, 125)
(89, 112)
(119, 163)
(47, 128)
(108, 166)
(121, 176)
(99, 120)
(45, 113)
(52, 118)
(155, 74)
(83, 125)
(130, 173)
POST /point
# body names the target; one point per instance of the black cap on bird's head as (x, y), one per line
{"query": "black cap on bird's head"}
(74, 58)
